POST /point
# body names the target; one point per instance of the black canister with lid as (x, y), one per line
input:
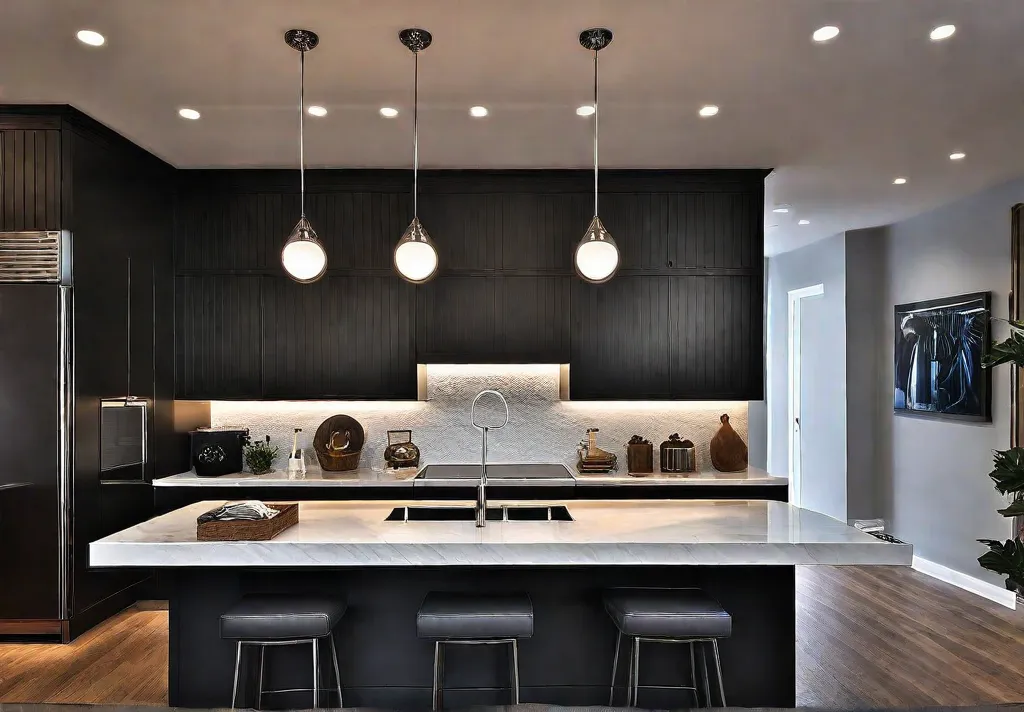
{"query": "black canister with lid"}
(678, 455)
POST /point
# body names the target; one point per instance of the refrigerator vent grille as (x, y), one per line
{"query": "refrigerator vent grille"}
(30, 257)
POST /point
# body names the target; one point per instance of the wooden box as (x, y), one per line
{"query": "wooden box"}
(246, 530)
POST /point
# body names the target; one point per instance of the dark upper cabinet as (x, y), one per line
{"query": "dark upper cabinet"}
(621, 340)
(494, 319)
(217, 336)
(686, 230)
(680, 320)
(30, 179)
(341, 337)
(652, 338)
(716, 347)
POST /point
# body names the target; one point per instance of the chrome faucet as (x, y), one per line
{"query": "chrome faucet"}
(481, 490)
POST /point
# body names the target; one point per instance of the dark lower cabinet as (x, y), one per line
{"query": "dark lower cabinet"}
(494, 319)
(341, 337)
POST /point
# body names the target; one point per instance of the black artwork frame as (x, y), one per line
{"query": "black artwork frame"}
(959, 331)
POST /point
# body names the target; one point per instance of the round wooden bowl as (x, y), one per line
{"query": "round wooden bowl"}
(338, 442)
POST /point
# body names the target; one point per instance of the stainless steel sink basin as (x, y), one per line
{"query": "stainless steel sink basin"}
(554, 513)
(532, 472)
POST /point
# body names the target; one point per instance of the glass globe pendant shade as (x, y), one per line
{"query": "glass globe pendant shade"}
(415, 255)
(303, 256)
(597, 255)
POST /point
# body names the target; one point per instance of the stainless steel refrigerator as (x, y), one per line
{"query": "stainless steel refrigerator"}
(36, 430)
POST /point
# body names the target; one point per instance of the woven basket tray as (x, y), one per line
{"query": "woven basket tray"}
(245, 530)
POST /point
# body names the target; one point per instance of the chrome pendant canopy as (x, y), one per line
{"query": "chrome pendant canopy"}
(597, 256)
(415, 256)
(303, 256)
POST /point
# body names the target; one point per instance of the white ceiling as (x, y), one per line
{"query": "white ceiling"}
(838, 121)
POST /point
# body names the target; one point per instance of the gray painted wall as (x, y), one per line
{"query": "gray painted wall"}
(931, 474)
(825, 454)
(864, 301)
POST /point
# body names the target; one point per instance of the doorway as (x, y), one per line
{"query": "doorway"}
(800, 382)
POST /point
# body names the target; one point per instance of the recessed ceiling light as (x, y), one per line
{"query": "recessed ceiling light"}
(585, 110)
(942, 32)
(388, 112)
(803, 222)
(708, 110)
(478, 111)
(957, 156)
(188, 114)
(899, 181)
(90, 37)
(826, 33)
(781, 209)
(317, 110)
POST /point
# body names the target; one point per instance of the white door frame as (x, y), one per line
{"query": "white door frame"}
(796, 297)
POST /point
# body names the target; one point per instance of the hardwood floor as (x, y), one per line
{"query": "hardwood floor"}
(893, 637)
(886, 637)
(122, 661)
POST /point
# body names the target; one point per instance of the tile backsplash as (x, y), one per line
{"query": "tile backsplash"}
(541, 427)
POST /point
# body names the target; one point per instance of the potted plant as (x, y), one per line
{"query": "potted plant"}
(260, 456)
(1007, 557)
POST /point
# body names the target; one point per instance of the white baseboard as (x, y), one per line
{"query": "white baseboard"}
(976, 586)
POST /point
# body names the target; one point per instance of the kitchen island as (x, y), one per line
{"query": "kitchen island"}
(744, 553)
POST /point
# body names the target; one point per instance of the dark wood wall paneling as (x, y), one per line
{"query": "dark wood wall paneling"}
(681, 319)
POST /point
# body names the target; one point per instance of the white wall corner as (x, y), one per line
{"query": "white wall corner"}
(1002, 596)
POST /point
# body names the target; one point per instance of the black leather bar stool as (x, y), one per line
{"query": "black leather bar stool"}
(667, 615)
(468, 619)
(272, 619)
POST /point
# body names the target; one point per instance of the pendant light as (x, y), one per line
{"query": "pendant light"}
(597, 255)
(415, 256)
(303, 255)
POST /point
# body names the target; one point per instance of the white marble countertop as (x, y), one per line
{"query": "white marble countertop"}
(750, 477)
(382, 477)
(623, 532)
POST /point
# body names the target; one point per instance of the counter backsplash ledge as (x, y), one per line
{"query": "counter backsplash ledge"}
(541, 427)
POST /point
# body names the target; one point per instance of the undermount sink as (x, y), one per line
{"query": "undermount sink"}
(555, 513)
(496, 472)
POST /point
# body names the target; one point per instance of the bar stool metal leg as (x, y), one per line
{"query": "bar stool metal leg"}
(438, 674)
(636, 671)
(718, 668)
(693, 676)
(615, 668)
(316, 672)
(238, 665)
(515, 672)
(704, 673)
(337, 673)
(259, 679)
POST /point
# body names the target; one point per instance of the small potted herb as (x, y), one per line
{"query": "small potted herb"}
(260, 456)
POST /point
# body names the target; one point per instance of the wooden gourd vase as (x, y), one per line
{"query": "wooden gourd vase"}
(728, 451)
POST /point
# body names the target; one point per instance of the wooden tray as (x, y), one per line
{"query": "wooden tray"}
(245, 530)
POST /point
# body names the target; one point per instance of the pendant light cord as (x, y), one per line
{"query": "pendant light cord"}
(415, 134)
(596, 113)
(302, 136)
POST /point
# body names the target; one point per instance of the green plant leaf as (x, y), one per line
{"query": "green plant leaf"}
(1016, 509)
(1006, 558)
(1008, 474)
(1010, 350)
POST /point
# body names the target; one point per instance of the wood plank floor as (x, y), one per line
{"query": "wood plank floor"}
(887, 637)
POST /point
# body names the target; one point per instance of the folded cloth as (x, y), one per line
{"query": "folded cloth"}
(232, 511)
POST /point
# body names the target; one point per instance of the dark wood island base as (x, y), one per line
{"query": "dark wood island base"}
(568, 660)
